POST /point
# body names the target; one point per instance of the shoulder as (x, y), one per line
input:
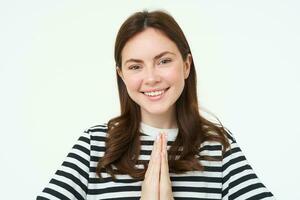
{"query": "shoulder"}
(214, 147)
(233, 154)
(100, 128)
(230, 137)
(96, 128)
(96, 132)
(95, 136)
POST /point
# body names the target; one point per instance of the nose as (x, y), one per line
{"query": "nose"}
(151, 76)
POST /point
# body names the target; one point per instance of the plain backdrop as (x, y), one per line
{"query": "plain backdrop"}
(57, 78)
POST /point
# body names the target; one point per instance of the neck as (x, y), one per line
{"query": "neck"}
(163, 121)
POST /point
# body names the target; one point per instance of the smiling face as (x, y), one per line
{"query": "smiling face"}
(154, 72)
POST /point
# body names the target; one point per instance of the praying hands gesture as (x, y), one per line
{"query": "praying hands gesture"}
(157, 184)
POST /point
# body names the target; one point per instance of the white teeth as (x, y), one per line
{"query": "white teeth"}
(156, 93)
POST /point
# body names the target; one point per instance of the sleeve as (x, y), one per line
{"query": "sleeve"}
(239, 181)
(70, 181)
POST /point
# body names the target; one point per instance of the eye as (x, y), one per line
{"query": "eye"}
(165, 61)
(134, 67)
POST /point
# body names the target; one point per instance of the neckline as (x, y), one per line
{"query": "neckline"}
(154, 131)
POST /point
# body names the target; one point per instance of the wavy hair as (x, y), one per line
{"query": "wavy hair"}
(123, 138)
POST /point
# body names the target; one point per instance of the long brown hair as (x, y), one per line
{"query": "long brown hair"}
(123, 138)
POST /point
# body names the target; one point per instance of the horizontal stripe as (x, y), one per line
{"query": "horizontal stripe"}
(55, 194)
(227, 176)
(80, 171)
(73, 178)
(67, 187)
(244, 190)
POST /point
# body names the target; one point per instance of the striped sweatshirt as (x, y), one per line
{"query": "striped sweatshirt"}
(229, 178)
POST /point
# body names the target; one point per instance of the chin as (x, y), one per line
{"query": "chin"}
(156, 110)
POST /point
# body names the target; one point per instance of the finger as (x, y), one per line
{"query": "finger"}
(164, 159)
(156, 159)
(159, 144)
(166, 150)
(157, 153)
(154, 163)
(151, 160)
(165, 181)
(164, 147)
(153, 151)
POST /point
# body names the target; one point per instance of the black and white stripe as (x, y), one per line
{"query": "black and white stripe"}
(230, 178)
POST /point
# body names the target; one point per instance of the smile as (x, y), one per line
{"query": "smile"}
(155, 93)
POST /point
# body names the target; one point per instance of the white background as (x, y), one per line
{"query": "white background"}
(57, 78)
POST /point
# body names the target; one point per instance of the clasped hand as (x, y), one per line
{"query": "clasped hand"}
(157, 184)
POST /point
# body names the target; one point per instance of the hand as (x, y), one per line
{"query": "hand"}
(150, 185)
(165, 186)
(157, 184)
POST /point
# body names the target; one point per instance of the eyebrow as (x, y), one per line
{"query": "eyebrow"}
(155, 57)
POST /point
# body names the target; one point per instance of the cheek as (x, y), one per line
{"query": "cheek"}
(175, 76)
(132, 83)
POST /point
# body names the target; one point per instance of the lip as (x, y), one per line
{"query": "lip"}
(154, 90)
(157, 98)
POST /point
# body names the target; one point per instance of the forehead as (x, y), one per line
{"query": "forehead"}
(148, 44)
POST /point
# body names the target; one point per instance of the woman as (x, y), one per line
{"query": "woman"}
(160, 147)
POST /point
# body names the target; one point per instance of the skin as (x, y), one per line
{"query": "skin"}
(142, 70)
(150, 60)
(157, 184)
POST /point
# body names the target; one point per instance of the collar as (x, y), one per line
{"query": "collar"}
(153, 131)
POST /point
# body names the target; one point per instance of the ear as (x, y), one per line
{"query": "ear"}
(120, 72)
(187, 66)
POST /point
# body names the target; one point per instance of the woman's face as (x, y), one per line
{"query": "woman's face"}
(153, 72)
